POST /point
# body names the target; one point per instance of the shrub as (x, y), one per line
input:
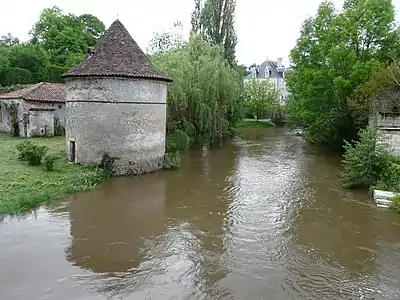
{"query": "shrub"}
(365, 160)
(49, 161)
(396, 203)
(31, 152)
(179, 140)
(389, 179)
(172, 160)
(279, 116)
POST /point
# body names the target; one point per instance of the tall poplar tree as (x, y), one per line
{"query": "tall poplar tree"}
(215, 21)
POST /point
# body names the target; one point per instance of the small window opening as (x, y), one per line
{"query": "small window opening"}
(72, 151)
(267, 72)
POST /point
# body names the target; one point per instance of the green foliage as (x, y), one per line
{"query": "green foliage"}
(396, 203)
(261, 97)
(389, 179)
(172, 160)
(59, 41)
(204, 99)
(31, 152)
(254, 124)
(364, 161)
(179, 140)
(22, 64)
(336, 53)
(214, 21)
(48, 162)
(279, 115)
(65, 36)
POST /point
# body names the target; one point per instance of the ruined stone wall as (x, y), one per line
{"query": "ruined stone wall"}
(389, 131)
(125, 118)
(5, 124)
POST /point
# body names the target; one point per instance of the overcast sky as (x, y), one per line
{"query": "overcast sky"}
(265, 28)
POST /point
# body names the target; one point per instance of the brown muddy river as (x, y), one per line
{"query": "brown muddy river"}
(259, 217)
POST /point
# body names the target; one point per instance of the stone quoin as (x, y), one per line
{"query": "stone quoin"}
(116, 105)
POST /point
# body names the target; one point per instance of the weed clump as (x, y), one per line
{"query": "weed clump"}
(31, 152)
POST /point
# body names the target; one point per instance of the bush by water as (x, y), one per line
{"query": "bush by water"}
(368, 162)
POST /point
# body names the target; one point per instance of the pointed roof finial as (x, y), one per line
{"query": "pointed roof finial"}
(117, 54)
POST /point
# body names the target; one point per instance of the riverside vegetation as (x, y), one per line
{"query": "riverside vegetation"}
(368, 163)
(342, 77)
(37, 172)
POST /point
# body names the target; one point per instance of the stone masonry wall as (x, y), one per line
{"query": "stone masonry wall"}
(124, 118)
(388, 120)
(389, 131)
(392, 138)
(38, 120)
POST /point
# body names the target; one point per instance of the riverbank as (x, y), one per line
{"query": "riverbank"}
(23, 186)
(251, 123)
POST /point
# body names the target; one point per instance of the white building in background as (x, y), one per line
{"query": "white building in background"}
(275, 72)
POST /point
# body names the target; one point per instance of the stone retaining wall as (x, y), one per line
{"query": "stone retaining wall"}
(389, 130)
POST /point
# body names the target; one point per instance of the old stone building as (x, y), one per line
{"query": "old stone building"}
(34, 110)
(116, 105)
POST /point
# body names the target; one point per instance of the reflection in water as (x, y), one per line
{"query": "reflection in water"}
(259, 217)
(336, 239)
(109, 224)
(136, 229)
(112, 228)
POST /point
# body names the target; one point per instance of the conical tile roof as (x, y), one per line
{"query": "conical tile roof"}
(117, 54)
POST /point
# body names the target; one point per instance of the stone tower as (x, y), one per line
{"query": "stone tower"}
(116, 105)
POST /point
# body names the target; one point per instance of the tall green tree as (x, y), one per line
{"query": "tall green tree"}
(261, 97)
(65, 36)
(337, 51)
(22, 64)
(9, 40)
(58, 42)
(32, 58)
(215, 21)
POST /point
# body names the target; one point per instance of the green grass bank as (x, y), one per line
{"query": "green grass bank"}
(23, 186)
(249, 123)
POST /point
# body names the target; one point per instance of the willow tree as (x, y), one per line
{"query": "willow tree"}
(203, 101)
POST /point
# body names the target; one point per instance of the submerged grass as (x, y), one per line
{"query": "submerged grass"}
(23, 186)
